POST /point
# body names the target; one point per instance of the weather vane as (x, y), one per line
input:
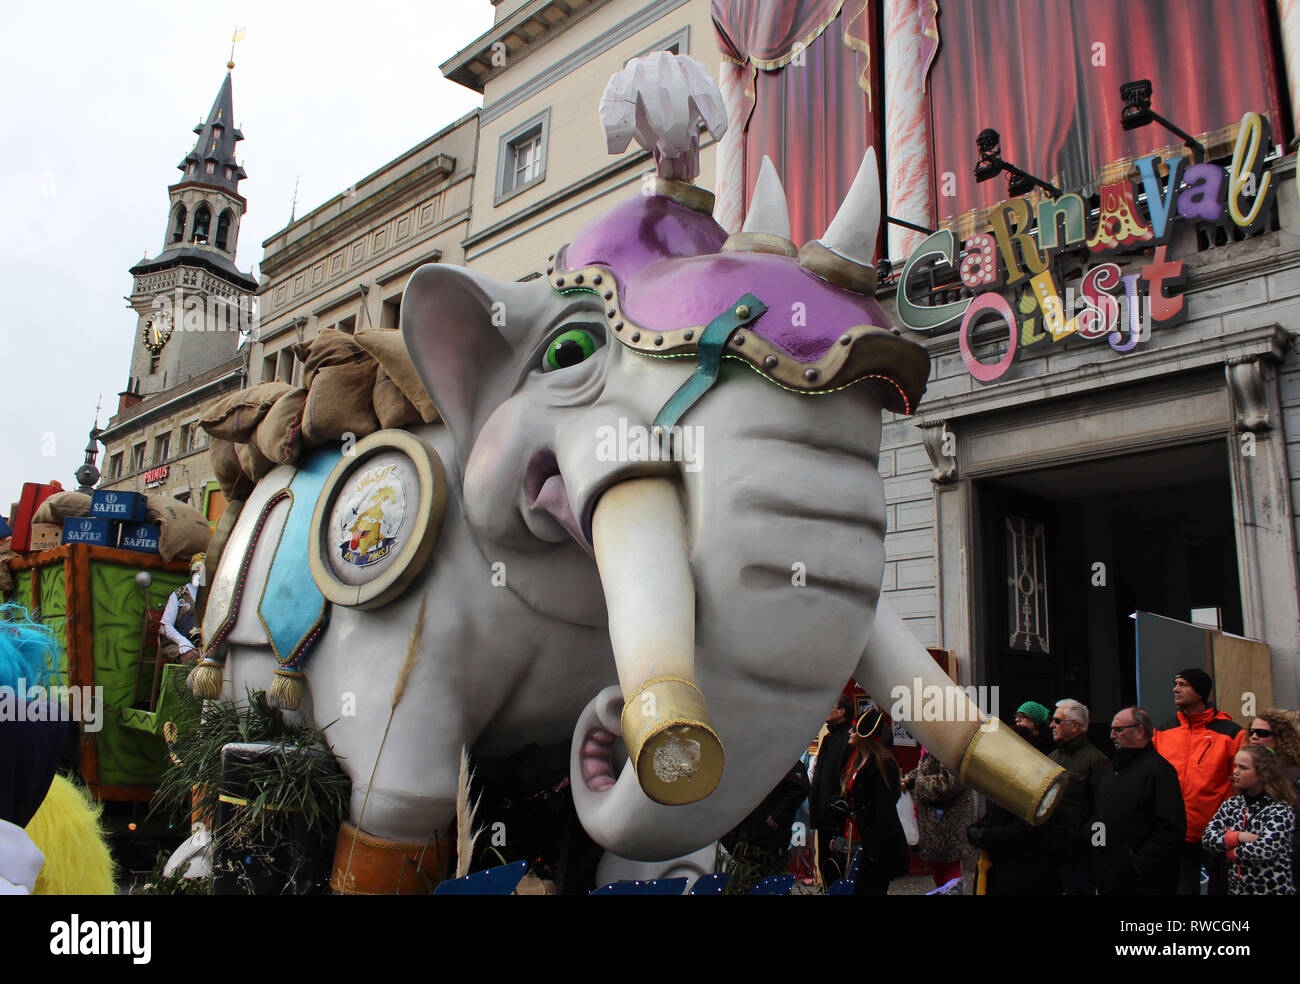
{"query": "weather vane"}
(235, 38)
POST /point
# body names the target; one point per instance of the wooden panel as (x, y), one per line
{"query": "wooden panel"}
(1241, 667)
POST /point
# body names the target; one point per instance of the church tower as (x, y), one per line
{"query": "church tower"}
(190, 303)
(190, 299)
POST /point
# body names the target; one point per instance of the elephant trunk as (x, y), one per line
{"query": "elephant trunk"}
(639, 539)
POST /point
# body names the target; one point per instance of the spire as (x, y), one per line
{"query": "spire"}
(87, 475)
(212, 161)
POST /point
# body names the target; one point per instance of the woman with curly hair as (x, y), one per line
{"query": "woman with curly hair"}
(1275, 730)
(1255, 828)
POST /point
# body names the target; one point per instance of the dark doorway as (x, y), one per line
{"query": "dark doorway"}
(1066, 554)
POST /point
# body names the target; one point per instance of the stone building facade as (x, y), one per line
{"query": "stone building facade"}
(1162, 479)
(542, 69)
(345, 264)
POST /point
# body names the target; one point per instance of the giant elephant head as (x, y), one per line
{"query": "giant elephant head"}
(674, 433)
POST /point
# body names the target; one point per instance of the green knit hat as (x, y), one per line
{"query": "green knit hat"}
(1034, 711)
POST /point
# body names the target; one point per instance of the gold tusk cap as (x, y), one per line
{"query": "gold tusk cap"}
(676, 753)
(1002, 765)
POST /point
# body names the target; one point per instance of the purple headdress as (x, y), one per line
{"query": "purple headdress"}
(675, 284)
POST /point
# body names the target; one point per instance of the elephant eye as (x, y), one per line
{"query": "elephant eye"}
(569, 348)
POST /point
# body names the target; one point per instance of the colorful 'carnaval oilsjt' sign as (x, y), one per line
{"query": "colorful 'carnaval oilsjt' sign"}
(1014, 254)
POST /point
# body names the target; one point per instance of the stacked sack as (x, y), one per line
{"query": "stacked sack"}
(352, 386)
(182, 529)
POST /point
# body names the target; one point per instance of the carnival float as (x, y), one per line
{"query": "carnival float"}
(631, 506)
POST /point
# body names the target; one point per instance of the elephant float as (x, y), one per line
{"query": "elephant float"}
(661, 524)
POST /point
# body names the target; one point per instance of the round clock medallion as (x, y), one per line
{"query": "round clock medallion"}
(157, 330)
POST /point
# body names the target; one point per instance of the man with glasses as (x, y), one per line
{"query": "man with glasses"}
(1067, 831)
(1067, 835)
(1137, 827)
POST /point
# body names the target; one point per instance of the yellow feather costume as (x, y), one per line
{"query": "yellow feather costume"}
(66, 829)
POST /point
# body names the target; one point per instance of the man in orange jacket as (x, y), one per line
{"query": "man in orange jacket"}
(1201, 749)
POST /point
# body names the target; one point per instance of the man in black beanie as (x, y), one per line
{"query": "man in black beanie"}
(1201, 748)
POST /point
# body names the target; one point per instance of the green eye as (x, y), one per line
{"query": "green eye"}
(568, 349)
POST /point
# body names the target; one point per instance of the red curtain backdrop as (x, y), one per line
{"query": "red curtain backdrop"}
(813, 119)
(1046, 75)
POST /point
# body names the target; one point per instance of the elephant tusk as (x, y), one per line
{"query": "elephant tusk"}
(639, 539)
(990, 758)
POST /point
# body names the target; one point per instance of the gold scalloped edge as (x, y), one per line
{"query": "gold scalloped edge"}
(863, 352)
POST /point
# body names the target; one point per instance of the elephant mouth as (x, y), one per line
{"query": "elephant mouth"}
(597, 759)
(547, 502)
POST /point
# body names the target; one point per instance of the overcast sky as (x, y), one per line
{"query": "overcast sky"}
(97, 105)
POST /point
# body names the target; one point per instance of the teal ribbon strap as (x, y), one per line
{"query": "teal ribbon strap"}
(292, 608)
(712, 340)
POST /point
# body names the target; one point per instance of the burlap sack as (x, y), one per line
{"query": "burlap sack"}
(330, 348)
(183, 530)
(338, 403)
(391, 407)
(279, 436)
(234, 417)
(252, 462)
(61, 506)
(230, 475)
(389, 350)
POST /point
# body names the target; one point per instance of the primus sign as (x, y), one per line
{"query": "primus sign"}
(1014, 255)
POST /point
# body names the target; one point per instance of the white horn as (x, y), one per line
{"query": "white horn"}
(768, 211)
(852, 233)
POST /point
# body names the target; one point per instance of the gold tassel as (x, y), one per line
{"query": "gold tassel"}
(286, 690)
(205, 680)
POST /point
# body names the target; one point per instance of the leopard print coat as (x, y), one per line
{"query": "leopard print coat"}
(1260, 867)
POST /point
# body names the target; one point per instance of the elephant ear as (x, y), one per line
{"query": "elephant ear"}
(461, 329)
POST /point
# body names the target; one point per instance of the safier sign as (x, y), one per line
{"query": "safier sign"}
(1011, 256)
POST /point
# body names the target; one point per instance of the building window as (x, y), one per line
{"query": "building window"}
(182, 497)
(390, 317)
(268, 369)
(190, 169)
(676, 44)
(348, 325)
(230, 173)
(137, 457)
(284, 372)
(187, 438)
(212, 166)
(161, 445)
(216, 133)
(115, 466)
(154, 362)
(522, 156)
(178, 233)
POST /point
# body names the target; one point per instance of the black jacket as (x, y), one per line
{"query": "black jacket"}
(874, 802)
(827, 773)
(1142, 822)
(1067, 828)
(1021, 863)
(781, 804)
